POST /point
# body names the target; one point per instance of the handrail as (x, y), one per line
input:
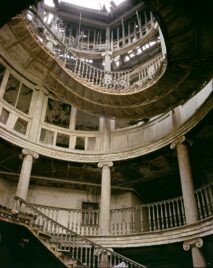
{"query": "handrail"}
(67, 237)
(120, 81)
(154, 216)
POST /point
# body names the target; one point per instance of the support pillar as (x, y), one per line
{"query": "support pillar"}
(190, 206)
(189, 201)
(105, 206)
(36, 112)
(24, 178)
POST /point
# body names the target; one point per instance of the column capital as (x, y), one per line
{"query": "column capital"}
(105, 163)
(41, 88)
(29, 152)
(106, 53)
(179, 139)
(195, 242)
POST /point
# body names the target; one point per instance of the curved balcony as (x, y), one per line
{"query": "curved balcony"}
(18, 127)
(146, 222)
(175, 85)
(111, 82)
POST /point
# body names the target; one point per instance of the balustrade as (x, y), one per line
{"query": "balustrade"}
(84, 222)
(204, 197)
(78, 247)
(148, 217)
(121, 81)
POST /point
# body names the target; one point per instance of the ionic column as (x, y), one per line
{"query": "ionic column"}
(189, 201)
(187, 186)
(197, 257)
(105, 221)
(24, 177)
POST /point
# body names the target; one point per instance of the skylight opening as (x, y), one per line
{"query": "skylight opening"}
(139, 51)
(126, 58)
(104, 5)
(49, 18)
(152, 43)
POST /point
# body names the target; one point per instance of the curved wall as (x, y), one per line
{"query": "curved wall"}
(123, 143)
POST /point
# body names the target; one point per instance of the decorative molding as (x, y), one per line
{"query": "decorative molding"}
(29, 152)
(105, 164)
(164, 237)
(179, 139)
(90, 157)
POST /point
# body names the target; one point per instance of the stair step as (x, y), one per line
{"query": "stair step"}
(44, 235)
(63, 250)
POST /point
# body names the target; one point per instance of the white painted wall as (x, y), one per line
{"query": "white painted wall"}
(7, 192)
(61, 197)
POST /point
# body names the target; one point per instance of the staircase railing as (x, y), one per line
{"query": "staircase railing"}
(121, 81)
(74, 246)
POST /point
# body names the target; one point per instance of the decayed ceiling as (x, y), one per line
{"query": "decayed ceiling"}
(189, 41)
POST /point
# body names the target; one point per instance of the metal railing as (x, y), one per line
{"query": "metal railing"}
(74, 245)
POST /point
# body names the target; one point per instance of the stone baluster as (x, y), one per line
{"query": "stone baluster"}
(83, 68)
(79, 67)
(98, 77)
(90, 74)
(129, 33)
(93, 75)
(118, 39)
(139, 23)
(86, 72)
(76, 66)
(146, 21)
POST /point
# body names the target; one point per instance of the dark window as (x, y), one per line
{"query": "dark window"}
(4, 116)
(62, 140)
(18, 95)
(80, 143)
(2, 70)
(21, 126)
(24, 99)
(11, 91)
(90, 213)
(85, 121)
(58, 113)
